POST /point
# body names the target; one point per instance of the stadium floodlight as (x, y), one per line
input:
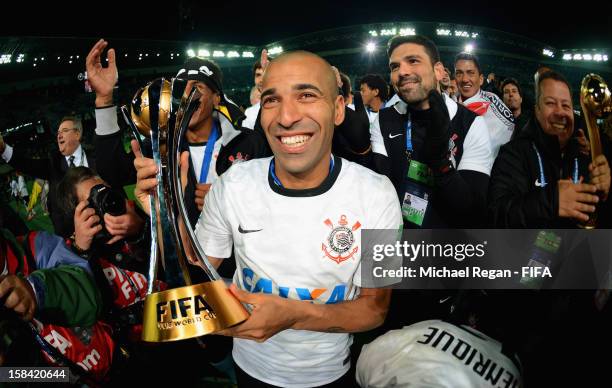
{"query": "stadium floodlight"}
(577, 57)
(463, 34)
(587, 57)
(203, 53)
(275, 50)
(125, 55)
(191, 53)
(474, 35)
(218, 54)
(370, 47)
(597, 57)
(407, 31)
(469, 48)
(233, 54)
(567, 57)
(247, 54)
(20, 58)
(605, 58)
(5, 58)
(35, 65)
(388, 32)
(35, 59)
(373, 33)
(443, 32)
(42, 59)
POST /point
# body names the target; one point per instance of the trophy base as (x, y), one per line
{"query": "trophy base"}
(190, 311)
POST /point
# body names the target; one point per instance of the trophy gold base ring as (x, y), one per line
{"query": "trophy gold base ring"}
(190, 311)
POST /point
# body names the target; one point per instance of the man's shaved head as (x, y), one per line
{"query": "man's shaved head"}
(325, 68)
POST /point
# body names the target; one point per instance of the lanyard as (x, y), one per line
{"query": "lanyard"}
(543, 182)
(210, 145)
(409, 139)
(272, 171)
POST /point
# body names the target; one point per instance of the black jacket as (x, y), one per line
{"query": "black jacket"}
(516, 198)
(351, 139)
(457, 200)
(53, 168)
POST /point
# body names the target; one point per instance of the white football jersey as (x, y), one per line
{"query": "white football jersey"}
(435, 354)
(298, 244)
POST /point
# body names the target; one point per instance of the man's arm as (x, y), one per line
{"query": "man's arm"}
(511, 204)
(113, 164)
(272, 314)
(38, 168)
(461, 192)
(355, 128)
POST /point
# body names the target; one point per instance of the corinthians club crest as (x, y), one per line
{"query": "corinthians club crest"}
(339, 244)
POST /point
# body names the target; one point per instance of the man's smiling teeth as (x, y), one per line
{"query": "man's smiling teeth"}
(294, 141)
(558, 126)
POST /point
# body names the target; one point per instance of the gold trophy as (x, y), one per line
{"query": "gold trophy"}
(161, 112)
(596, 103)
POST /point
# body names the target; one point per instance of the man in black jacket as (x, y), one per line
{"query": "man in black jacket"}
(427, 134)
(216, 118)
(538, 179)
(70, 153)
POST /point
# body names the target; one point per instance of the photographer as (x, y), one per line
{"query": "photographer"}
(105, 223)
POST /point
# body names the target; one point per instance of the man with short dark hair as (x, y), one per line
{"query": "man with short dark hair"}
(513, 98)
(252, 112)
(490, 84)
(374, 92)
(435, 151)
(539, 179)
(445, 81)
(498, 117)
(346, 89)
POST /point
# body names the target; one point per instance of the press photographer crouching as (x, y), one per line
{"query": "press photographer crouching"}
(105, 223)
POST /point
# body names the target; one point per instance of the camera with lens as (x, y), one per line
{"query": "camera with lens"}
(104, 199)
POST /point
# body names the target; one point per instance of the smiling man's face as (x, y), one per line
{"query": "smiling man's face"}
(412, 74)
(300, 106)
(554, 110)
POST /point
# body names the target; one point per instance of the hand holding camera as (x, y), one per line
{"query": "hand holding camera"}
(125, 225)
(86, 226)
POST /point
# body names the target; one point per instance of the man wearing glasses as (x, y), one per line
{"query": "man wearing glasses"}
(70, 153)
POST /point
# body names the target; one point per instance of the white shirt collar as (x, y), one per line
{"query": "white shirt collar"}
(79, 157)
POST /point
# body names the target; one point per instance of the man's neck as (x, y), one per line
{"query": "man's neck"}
(307, 180)
(74, 151)
(376, 104)
(201, 133)
(463, 99)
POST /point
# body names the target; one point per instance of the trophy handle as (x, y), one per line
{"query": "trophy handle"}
(193, 250)
(154, 258)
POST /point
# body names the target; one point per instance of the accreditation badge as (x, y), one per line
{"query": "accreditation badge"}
(417, 191)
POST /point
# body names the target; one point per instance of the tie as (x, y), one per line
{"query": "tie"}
(71, 158)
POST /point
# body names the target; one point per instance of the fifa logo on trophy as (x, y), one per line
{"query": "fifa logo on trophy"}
(161, 112)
